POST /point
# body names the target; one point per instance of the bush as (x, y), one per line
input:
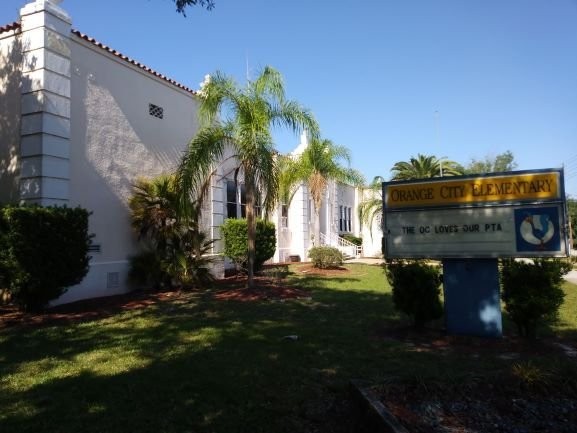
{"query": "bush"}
(146, 270)
(532, 292)
(43, 250)
(176, 251)
(235, 234)
(324, 257)
(353, 239)
(416, 290)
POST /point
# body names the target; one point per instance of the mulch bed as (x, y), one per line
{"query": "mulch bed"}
(479, 406)
(230, 288)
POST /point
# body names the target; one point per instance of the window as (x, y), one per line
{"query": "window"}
(349, 219)
(156, 111)
(231, 211)
(341, 214)
(236, 200)
(284, 216)
(242, 201)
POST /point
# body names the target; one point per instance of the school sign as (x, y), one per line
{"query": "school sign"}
(514, 214)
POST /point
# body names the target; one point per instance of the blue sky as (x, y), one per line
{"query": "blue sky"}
(387, 78)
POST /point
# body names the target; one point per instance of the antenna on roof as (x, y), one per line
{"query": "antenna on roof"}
(247, 70)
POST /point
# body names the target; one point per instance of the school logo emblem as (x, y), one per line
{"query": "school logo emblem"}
(537, 229)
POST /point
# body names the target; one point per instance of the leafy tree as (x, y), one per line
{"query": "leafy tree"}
(241, 119)
(320, 163)
(423, 167)
(503, 162)
(181, 5)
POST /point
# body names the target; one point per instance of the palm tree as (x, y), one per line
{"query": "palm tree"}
(425, 166)
(248, 115)
(320, 163)
(421, 167)
(154, 211)
(372, 205)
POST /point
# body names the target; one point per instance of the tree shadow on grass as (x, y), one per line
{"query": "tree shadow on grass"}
(194, 363)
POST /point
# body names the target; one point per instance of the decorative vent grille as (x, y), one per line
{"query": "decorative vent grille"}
(112, 280)
(156, 111)
(94, 248)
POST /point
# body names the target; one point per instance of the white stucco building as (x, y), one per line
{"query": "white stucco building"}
(79, 122)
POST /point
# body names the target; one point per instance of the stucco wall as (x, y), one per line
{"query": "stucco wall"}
(10, 81)
(114, 140)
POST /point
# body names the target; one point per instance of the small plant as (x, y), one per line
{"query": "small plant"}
(530, 375)
(146, 270)
(416, 290)
(532, 292)
(324, 257)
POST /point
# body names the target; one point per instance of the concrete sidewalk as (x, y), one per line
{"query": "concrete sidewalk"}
(572, 277)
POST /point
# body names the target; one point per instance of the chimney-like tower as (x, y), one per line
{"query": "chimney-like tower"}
(45, 129)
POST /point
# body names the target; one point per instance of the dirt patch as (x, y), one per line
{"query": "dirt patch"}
(309, 269)
(266, 288)
(230, 288)
(85, 310)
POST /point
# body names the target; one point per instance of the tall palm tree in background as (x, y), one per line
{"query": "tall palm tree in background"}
(241, 119)
(321, 162)
(423, 167)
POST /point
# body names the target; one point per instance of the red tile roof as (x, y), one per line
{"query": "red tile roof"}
(132, 61)
(12, 26)
(16, 25)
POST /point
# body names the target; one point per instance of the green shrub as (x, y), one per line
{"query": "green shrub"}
(416, 290)
(43, 251)
(146, 270)
(532, 292)
(353, 239)
(235, 234)
(176, 252)
(324, 257)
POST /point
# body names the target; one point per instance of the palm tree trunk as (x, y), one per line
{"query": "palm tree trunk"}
(251, 227)
(317, 231)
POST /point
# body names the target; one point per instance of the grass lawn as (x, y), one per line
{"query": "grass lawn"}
(196, 364)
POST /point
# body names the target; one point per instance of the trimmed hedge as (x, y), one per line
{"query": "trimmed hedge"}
(324, 257)
(43, 250)
(532, 292)
(416, 290)
(235, 234)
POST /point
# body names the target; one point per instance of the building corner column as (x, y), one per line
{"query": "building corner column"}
(45, 102)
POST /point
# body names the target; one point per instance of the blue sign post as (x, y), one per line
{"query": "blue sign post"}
(472, 300)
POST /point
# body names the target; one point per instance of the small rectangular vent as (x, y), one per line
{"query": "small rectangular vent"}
(156, 111)
(112, 280)
(94, 248)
